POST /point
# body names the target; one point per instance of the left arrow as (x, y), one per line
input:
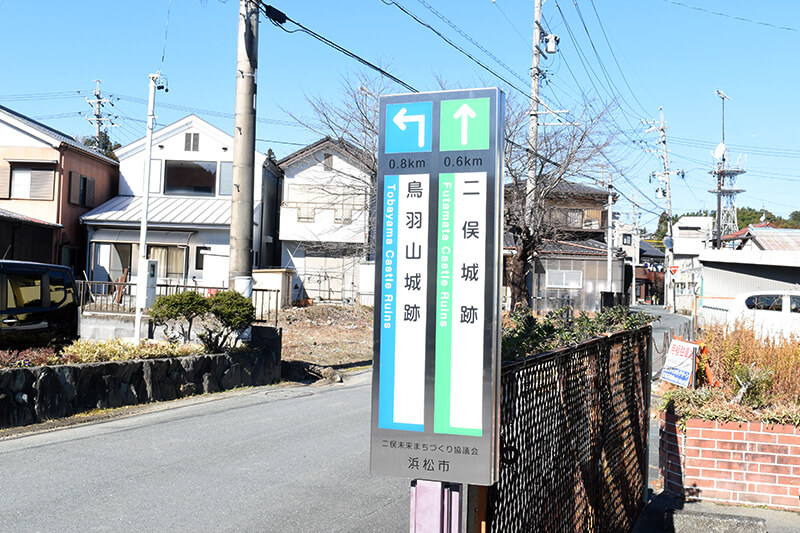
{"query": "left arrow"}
(401, 118)
(464, 113)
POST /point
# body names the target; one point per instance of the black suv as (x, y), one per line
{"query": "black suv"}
(38, 304)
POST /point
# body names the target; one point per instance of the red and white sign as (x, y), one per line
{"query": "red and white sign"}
(673, 269)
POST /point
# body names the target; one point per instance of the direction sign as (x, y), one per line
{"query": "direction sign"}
(436, 364)
(409, 128)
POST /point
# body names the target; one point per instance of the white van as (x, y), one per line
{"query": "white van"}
(768, 312)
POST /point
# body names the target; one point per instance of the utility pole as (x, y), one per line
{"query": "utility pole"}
(609, 235)
(669, 303)
(97, 117)
(156, 82)
(244, 145)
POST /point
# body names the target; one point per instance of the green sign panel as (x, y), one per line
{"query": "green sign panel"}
(464, 124)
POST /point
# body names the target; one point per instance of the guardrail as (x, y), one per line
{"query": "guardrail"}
(112, 297)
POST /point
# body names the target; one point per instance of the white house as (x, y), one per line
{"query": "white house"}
(189, 209)
(325, 219)
(691, 235)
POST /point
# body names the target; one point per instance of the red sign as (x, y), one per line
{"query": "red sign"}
(673, 269)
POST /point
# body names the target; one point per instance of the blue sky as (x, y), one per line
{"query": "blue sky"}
(666, 53)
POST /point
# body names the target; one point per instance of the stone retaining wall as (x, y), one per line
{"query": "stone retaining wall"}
(748, 463)
(30, 395)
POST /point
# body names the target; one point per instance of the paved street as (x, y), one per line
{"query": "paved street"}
(265, 459)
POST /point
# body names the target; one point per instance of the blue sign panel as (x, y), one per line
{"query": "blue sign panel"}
(409, 127)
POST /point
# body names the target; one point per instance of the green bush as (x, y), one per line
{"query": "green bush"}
(179, 310)
(525, 334)
(231, 314)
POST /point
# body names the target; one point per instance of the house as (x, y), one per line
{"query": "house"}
(571, 267)
(48, 180)
(325, 219)
(575, 273)
(691, 235)
(189, 211)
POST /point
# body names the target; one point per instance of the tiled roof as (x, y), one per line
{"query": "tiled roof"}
(10, 216)
(344, 146)
(55, 134)
(584, 247)
(166, 211)
(648, 250)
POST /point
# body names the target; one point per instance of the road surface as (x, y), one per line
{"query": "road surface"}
(263, 459)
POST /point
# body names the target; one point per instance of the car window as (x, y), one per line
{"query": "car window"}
(767, 302)
(24, 290)
(60, 291)
(794, 304)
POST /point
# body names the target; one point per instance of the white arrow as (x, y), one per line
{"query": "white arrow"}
(464, 113)
(400, 119)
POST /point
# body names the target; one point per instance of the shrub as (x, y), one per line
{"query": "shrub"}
(524, 334)
(231, 314)
(179, 309)
(28, 357)
(84, 351)
(738, 352)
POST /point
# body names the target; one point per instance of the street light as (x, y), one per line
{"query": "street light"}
(157, 81)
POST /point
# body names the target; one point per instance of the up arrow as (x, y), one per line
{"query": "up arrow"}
(464, 113)
(400, 119)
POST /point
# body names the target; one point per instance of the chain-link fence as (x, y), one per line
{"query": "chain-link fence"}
(574, 438)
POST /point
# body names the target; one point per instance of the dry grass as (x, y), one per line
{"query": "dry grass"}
(737, 347)
(327, 335)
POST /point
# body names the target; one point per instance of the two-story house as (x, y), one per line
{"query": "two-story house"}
(189, 210)
(325, 219)
(571, 267)
(47, 181)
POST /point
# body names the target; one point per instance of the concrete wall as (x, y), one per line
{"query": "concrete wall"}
(30, 395)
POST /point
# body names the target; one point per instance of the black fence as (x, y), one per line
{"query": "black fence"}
(574, 438)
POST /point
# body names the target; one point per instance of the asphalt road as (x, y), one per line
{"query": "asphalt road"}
(264, 459)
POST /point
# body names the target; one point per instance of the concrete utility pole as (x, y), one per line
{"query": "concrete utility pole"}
(609, 235)
(141, 273)
(244, 146)
(669, 303)
(533, 125)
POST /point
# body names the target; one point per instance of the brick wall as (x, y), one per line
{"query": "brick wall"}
(747, 463)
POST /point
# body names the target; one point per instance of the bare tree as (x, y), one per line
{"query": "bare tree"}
(563, 153)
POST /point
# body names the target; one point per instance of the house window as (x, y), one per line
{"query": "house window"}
(225, 178)
(626, 239)
(29, 183)
(564, 279)
(171, 260)
(327, 161)
(190, 178)
(81, 190)
(191, 142)
(199, 256)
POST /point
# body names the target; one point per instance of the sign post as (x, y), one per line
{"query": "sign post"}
(435, 391)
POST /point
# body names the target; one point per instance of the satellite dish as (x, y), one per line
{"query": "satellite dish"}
(719, 151)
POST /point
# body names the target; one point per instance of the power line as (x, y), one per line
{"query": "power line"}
(726, 15)
(278, 18)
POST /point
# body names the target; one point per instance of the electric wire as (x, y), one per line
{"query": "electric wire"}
(741, 19)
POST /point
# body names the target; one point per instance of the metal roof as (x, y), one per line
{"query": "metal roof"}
(162, 211)
(775, 239)
(55, 134)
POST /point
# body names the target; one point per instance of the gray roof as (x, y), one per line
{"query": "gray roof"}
(55, 134)
(582, 247)
(767, 238)
(163, 211)
(357, 154)
(648, 250)
(578, 189)
(11, 216)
